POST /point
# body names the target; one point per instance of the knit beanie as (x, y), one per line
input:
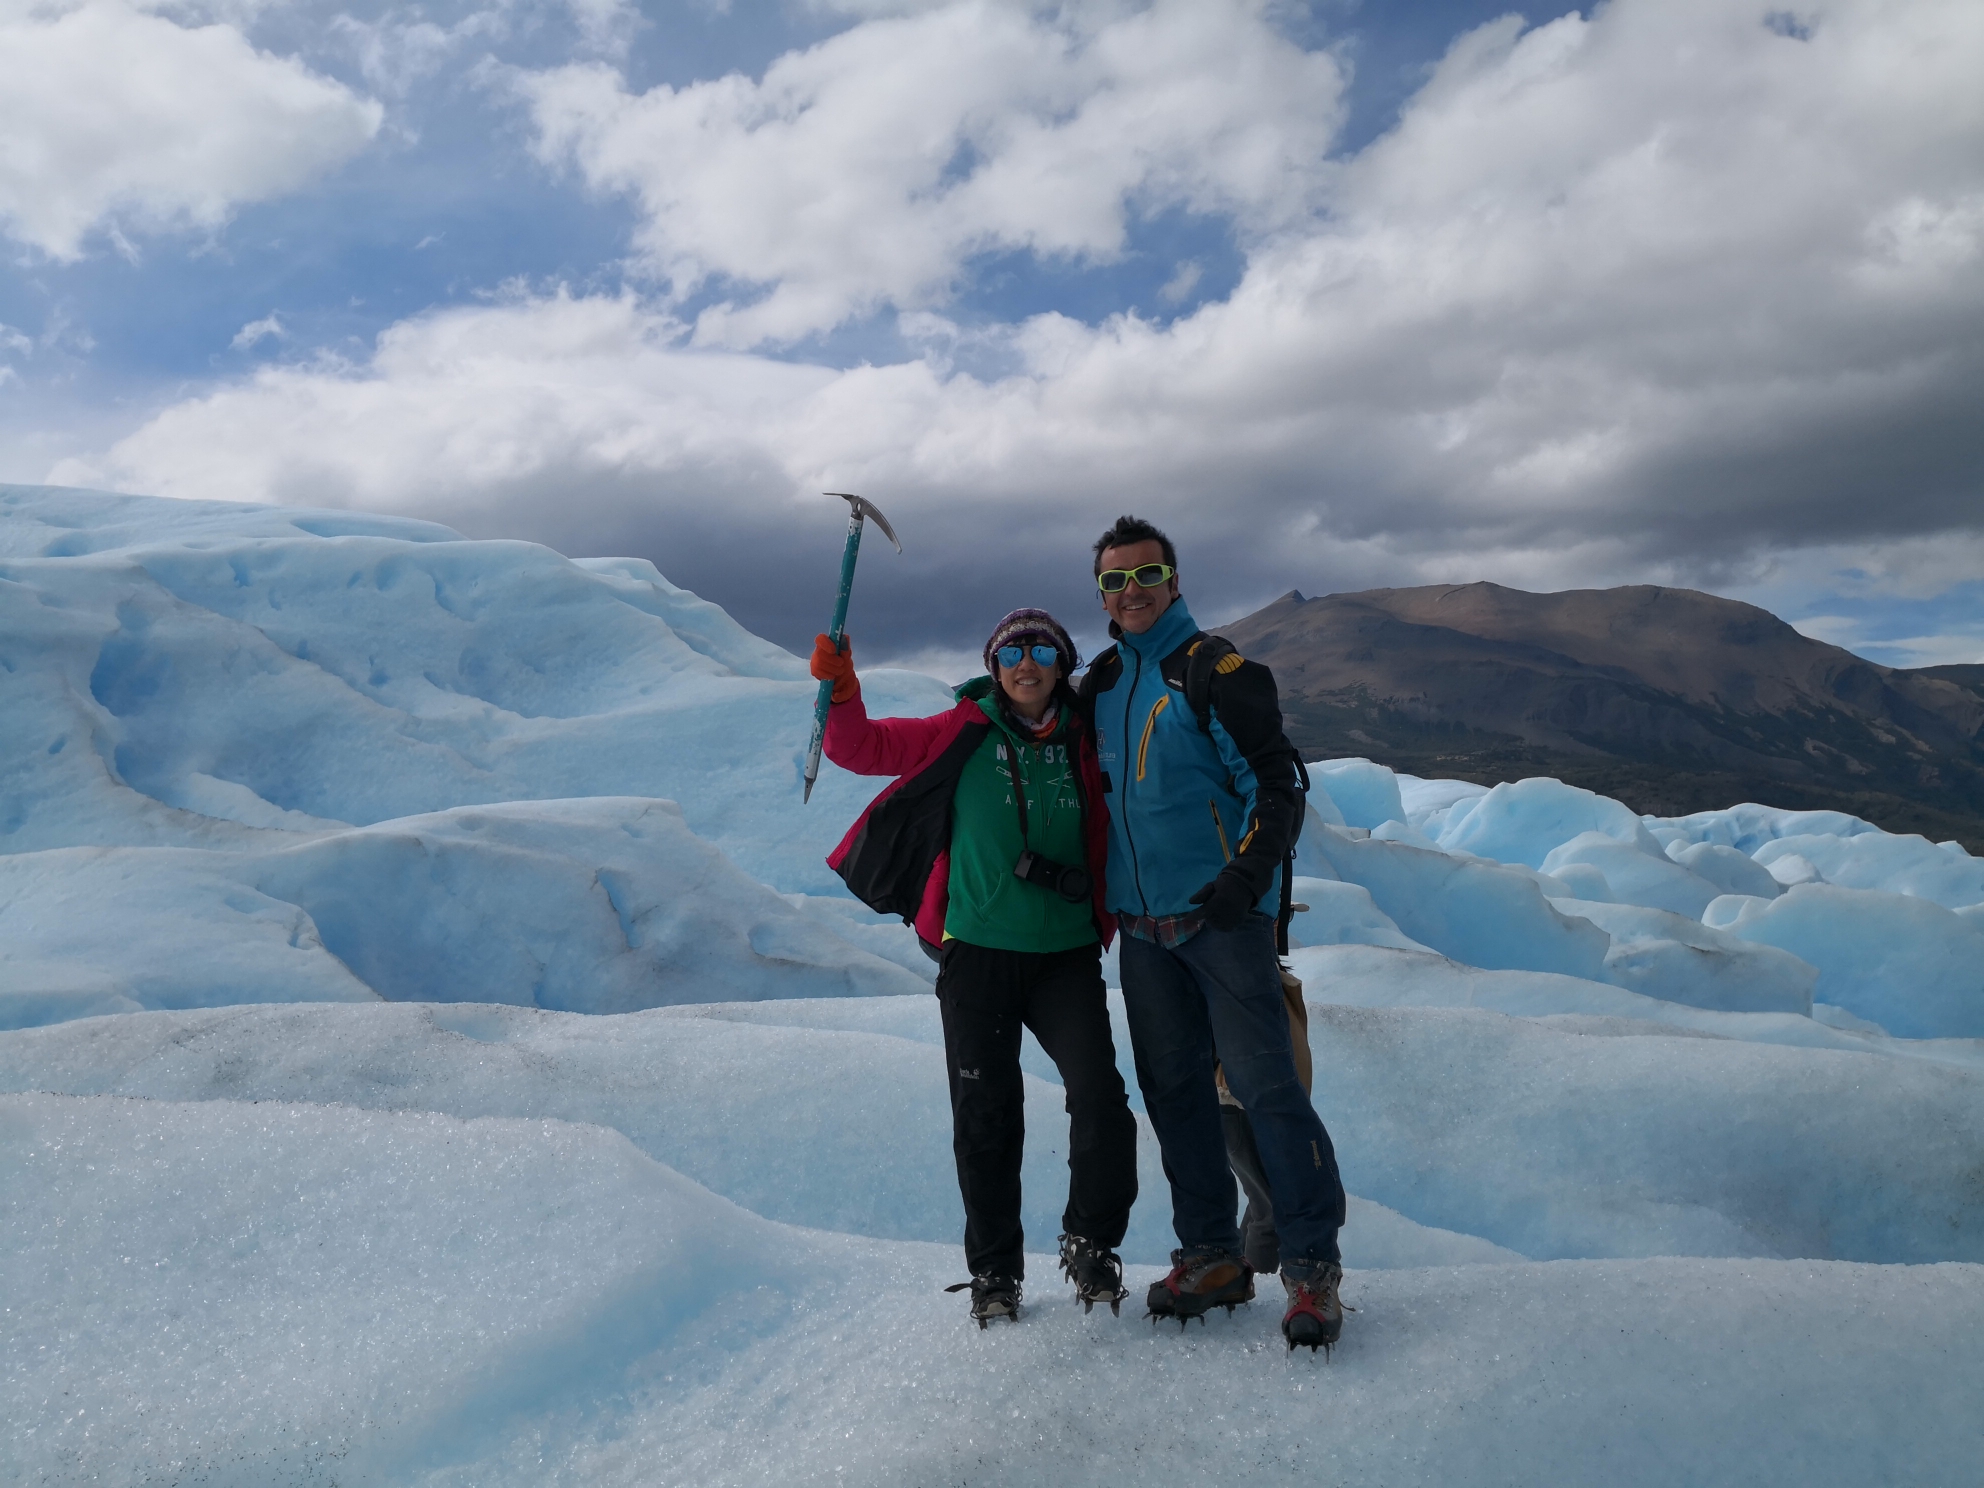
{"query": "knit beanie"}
(1031, 625)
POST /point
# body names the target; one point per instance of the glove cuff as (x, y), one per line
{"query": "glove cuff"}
(1246, 874)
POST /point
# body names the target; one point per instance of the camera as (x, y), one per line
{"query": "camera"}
(1068, 880)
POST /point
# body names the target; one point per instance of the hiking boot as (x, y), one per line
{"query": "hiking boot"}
(992, 1297)
(1096, 1271)
(1315, 1313)
(1200, 1280)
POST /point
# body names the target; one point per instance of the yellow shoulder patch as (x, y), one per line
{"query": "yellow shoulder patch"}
(1231, 663)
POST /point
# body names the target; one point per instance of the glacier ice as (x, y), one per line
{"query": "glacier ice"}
(268, 673)
(319, 1294)
(1883, 861)
(433, 1051)
(1470, 910)
(1906, 963)
(1680, 959)
(1727, 869)
(598, 905)
(1339, 913)
(1633, 874)
(1366, 794)
(1523, 821)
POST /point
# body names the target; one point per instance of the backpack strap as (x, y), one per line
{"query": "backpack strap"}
(1286, 916)
(1205, 656)
(1208, 656)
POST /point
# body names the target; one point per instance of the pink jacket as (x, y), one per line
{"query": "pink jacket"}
(896, 857)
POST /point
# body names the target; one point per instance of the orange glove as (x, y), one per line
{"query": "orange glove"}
(835, 666)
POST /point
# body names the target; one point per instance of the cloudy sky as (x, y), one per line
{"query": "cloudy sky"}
(1344, 294)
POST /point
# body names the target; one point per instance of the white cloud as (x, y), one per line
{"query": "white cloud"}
(1633, 297)
(950, 664)
(866, 170)
(1181, 284)
(455, 404)
(1906, 569)
(258, 330)
(400, 50)
(1852, 633)
(605, 26)
(1835, 630)
(1933, 650)
(110, 115)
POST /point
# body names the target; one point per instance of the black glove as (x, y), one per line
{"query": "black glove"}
(1227, 900)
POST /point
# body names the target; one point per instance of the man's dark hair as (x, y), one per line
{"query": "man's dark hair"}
(1130, 530)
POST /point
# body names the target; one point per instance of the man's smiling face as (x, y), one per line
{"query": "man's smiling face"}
(1136, 608)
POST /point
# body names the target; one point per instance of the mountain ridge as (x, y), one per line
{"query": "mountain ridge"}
(1670, 699)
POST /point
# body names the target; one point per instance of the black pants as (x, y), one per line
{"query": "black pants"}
(987, 995)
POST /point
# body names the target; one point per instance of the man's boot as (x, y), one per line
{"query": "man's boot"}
(1315, 1313)
(1200, 1280)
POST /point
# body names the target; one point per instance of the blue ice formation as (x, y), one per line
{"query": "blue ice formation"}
(433, 1051)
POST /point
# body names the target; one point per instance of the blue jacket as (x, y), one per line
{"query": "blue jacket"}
(1186, 804)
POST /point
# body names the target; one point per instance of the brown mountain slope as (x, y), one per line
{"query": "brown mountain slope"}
(1670, 699)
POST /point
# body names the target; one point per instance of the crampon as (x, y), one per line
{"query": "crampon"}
(1314, 1319)
(1199, 1282)
(991, 1297)
(1096, 1271)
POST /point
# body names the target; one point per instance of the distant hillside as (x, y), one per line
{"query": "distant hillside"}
(1668, 699)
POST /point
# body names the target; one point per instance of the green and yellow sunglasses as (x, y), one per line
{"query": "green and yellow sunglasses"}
(1116, 580)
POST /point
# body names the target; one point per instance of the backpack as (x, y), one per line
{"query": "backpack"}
(1209, 654)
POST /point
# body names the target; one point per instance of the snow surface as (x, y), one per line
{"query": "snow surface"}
(258, 1293)
(437, 1053)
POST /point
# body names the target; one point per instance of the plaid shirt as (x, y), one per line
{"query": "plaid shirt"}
(1169, 931)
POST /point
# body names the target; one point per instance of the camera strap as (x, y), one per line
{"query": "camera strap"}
(1012, 752)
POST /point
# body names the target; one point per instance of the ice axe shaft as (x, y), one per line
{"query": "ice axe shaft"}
(859, 508)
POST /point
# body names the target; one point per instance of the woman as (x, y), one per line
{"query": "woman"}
(1004, 888)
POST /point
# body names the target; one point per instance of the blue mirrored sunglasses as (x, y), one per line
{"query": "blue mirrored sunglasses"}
(1009, 656)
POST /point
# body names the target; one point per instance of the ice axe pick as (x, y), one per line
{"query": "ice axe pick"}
(860, 508)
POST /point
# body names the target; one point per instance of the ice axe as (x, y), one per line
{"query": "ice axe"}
(860, 508)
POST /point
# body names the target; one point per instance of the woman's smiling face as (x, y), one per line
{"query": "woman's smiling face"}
(1030, 686)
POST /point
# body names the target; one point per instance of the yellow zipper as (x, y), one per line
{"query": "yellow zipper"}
(1143, 749)
(1219, 827)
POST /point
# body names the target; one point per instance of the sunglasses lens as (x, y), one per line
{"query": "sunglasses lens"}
(1010, 656)
(1116, 580)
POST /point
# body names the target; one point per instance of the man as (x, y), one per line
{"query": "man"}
(1201, 819)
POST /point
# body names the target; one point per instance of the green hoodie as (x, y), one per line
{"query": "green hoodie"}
(988, 905)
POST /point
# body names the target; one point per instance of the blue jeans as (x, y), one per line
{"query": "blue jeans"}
(1221, 991)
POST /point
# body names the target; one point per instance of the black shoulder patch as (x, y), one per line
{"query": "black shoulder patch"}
(1102, 673)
